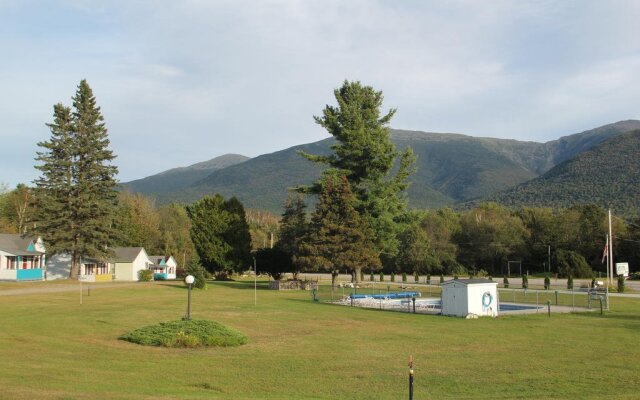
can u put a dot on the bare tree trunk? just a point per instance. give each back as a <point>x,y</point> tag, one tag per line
<point>74,272</point>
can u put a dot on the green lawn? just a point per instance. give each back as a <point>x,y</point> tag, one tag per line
<point>51,347</point>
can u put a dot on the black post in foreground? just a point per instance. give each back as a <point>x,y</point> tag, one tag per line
<point>549,307</point>
<point>410,377</point>
<point>189,281</point>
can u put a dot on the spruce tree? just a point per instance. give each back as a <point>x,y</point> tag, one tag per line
<point>76,193</point>
<point>338,237</point>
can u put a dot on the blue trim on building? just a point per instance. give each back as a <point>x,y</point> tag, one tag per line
<point>30,274</point>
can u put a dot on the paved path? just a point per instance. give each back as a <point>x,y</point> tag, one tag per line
<point>67,287</point>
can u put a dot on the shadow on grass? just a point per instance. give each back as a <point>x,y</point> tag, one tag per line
<point>240,285</point>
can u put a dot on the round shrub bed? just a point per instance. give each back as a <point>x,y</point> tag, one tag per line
<point>183,333</point>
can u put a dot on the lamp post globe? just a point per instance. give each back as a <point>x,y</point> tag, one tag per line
<point>189,281</point>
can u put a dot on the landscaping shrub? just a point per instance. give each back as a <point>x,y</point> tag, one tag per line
<point>505,282</point>
<point>145,275</point>
<point>183,333</point>
<point>404,277</point>
<point>371,277</point>
<point>525,282</point>
<point>416,277</point>
<point>197,270</point>
<point>547,282</point>
<point>393,277</point>
<point>428,279</point>
<point>441,278</point>
<point>620,283</point>
<point>381,276</point>
<point>572,263</point>
<point>570,282</point>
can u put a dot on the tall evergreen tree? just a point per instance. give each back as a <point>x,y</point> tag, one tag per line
<point>365,154</point>
<point>76,193</point>
<point>338,237</point>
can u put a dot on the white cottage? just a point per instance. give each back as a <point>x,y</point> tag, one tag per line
<point>128,262</point>
<point>59,267</point>
<point>465,297</point>
<point>164,267</point>
<point>22,258</point>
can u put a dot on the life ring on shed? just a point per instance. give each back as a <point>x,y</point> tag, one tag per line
<point>487,299</point>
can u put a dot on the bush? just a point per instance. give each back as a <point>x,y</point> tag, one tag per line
<point>197,270</point>
<point>371,277</point>
<point>393,277</point>
<point>570,282</point>
<point>428,279</point>
<point>416,277</point>
<point>441,278</point>
<point>620,283</point>
<point>525,282</point>
<point>381,276</point>
<point>505,282</point>
<point>183,333</point>
<point>547,282</point>
<point>145,275</point>
<point>404,277</point>
<point>572,263</point>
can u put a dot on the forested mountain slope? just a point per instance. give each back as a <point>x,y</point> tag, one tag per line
<point>607,175</point>
<point>451,168</point>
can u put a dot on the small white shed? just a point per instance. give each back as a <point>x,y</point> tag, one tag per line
<point>465,297</point>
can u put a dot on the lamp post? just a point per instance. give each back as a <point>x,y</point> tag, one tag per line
<point>189,281</point>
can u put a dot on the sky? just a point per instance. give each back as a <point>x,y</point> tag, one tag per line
<point>180,82</point>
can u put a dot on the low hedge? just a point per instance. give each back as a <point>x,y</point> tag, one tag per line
<point>183,333</point>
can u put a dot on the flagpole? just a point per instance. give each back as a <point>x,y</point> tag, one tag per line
<point>610,255</point>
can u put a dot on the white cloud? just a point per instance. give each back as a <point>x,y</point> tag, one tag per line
<point>198,79</point>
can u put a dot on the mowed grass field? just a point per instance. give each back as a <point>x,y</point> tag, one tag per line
<point>51,347</point>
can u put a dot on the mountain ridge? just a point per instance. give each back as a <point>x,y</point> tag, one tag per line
<point>451,168</point>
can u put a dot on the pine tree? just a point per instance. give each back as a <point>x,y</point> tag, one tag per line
<point>338,238</point>
<point>364,153</point>
<point>76,194</point>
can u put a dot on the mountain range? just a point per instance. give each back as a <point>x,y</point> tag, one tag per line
<point>451,169</point>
